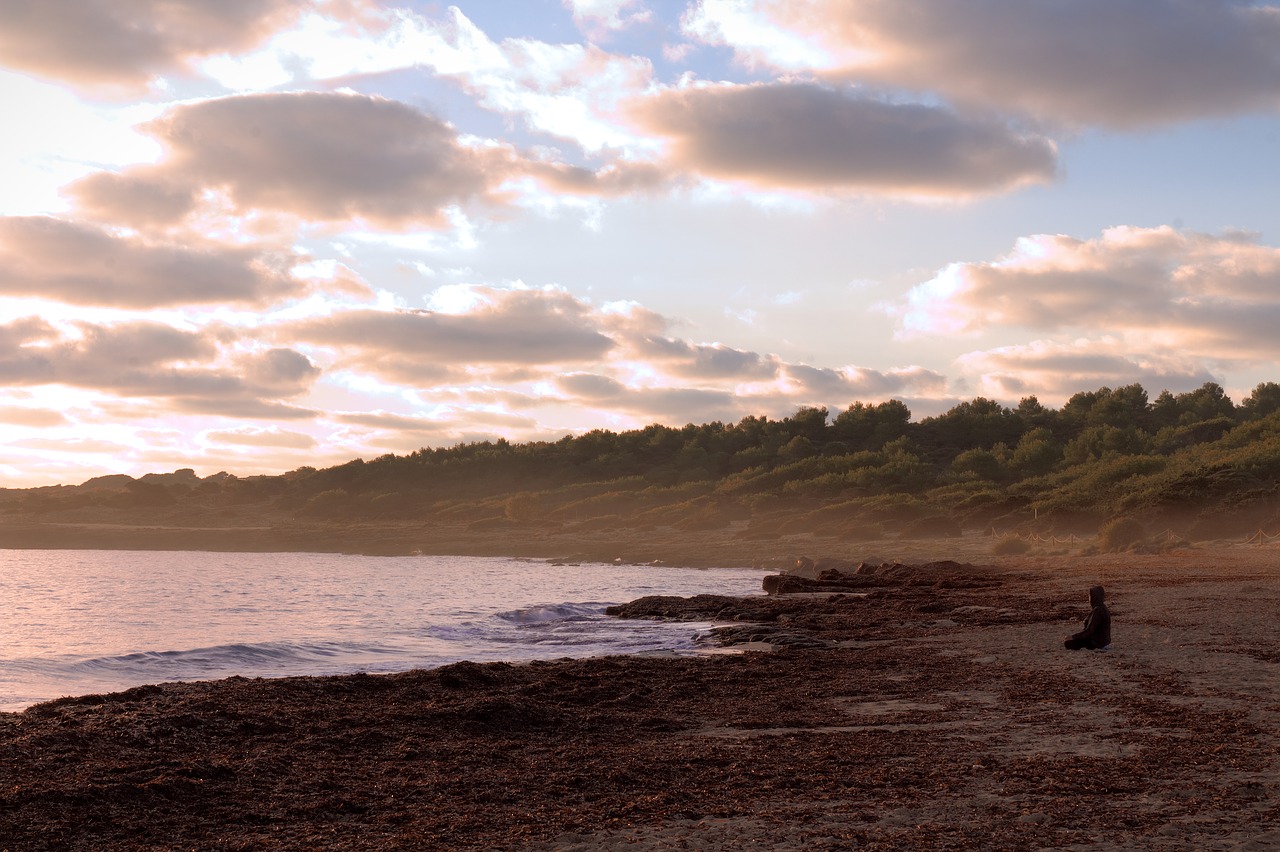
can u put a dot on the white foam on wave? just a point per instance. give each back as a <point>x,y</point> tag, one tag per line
<point>542,613</point>
<point>267,656</point>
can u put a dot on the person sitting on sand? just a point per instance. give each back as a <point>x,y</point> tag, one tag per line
<point>1096,635</point>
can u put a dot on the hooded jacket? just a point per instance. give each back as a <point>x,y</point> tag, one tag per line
<point>1097,627</point>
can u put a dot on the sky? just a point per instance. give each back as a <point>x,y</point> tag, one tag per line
<point>254,235</point>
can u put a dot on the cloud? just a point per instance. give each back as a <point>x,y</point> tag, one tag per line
<point>136,200</point>
<point>1054,371</point>
<point>378,432</point>
<point>101,45</point>
<point>615,179</point>
<point>689,360</point>
<point>570,91</point>
<point>1084,62</point>
<point>256,436</point>
<point>279,368</point>
<point>501,327</point>
<point>596,16</point>
<point>826,386</point>
<point>671,405</point>
<point>77,446</point>
<point>325,157</point>
<point>1218,296</point>
<point>40,418</point>
<point>321,156</point>
<point>815,139</point>
<point>383,420</point>
<point>85,265</point>
<point>793,386</point>
<point>182,370</point>
<point>514,353</point>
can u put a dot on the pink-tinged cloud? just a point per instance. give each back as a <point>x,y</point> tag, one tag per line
<point>570,91</point>
<point>176,370</point>
<point>807,137</point>
<point>1121,64</point>
<point>615,179</point>
<point>40,418</point>
<point>669,405</point>
<point>76,446</point>
<point>257,436</point>
<point>85,265</point>
<point>447,425</point>
<point>513,328</point>
<point>516,353</point>
<point>1053,372</point>
<point>142,199</point>
<point>709,361</point>
<point>826,386</point>
<point>325,157</point>
<point>321,156</point>
<point>1218,296</point>
<point>116,46</point>
<point>789,387</point>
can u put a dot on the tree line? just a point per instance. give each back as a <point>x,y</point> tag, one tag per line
<point>1190,458</point>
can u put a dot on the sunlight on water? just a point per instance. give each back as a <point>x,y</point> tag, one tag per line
<point>80,622</point>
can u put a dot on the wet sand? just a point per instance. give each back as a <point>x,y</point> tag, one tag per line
<point>940,713</point>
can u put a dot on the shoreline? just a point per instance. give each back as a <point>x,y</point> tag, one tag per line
<point>944,715</point>
<point>104,621</point>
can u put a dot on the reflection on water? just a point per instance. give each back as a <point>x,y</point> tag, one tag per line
<point>78,622</point>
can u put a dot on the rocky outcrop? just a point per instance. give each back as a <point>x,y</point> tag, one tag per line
<point>867,575</point>
<point>827,581</point>
<point>868,603</point>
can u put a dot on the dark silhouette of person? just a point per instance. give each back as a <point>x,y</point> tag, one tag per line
<point>1096,635</point>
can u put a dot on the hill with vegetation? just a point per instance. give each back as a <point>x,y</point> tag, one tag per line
<point>1192,465</point>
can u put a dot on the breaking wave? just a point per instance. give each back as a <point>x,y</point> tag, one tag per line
<point>543,613</point>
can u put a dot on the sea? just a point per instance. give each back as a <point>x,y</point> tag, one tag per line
<point>80,622</point>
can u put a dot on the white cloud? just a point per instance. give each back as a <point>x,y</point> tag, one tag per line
<point>757,35</point>
<point>596,16</point>
<point>569,91</point>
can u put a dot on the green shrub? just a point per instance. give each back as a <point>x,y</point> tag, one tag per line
<point>521,507</point>
<point>1010,545</point>
<point>333,503</point>
<point>1121,533</point>
<point>893,507</point>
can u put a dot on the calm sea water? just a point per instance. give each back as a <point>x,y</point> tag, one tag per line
<point>80,622</point>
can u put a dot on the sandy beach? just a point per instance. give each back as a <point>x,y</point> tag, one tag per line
<point>935,709</point>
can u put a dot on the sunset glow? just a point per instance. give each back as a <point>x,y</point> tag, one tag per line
<point>297,232</point>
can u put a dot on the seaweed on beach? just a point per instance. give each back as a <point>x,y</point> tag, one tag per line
<point>953,728</point>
